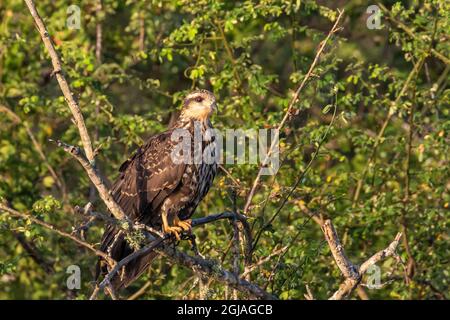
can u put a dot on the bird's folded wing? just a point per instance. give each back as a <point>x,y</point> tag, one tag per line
<point>148,177</point>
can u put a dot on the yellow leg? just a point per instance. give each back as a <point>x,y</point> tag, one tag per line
<point>175,230</point>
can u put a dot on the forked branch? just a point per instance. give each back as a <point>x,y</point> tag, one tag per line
<point>352,273</point>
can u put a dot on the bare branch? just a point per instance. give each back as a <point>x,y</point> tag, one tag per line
<point>352,273</point>
<point>381,255</point>
<point>57,71</point>
<point>213,270</point>
<point>96,179</point>
<point>219,216</point>
<point>344,264</point>
<point>308,295</point>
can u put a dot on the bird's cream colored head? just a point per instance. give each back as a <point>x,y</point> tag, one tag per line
<point>199,105</point>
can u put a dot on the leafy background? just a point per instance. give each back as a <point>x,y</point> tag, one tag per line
<point>252,55</point>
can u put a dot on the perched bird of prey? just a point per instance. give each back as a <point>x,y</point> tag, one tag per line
<point>157,189</point>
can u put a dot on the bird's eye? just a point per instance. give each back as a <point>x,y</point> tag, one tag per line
<point>199,99</point>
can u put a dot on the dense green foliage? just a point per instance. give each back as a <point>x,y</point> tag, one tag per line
<point>252,55</point>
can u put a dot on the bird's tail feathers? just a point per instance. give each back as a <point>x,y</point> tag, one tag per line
<point>115,244</point>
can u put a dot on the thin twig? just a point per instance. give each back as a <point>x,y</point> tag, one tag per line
<point>378,139</point>
<point>57,71</point>
<point>54,229</point>
<point>299,178</point>
<point>96,179</point>
<point>140,292</point>
<point>122,263</point>
<point>37,146</point>
<point>98,33</point>
<point>34,253</point>
<point>264,260</point>
<point>404,213</point>
<point>410,33</point>
<point>292,104</point>
<point>141,32</point>
<point>236,245</point>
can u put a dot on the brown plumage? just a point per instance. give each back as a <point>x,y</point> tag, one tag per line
<point>162,187</point>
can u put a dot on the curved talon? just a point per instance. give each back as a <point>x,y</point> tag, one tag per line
<point>186,225</point>
<point>178,227</point>
<point>173,230</point>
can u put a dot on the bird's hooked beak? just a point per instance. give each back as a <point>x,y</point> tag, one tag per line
<point>214,107</point>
